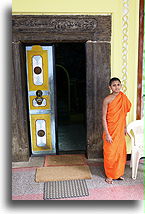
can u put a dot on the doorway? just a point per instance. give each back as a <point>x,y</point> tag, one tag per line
<point>95,32</point>
<point>70,68</point>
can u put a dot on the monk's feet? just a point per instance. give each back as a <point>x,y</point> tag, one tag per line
<point>109,180</point>
<point>120,178</point>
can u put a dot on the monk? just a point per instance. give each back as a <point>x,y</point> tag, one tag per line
<point>115,108</point>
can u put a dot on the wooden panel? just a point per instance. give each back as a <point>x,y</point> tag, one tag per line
<point>30,28</point>
<point>98,76</point>
<point>99,26</point>
<point>90,95</point>
<point>20,136</point>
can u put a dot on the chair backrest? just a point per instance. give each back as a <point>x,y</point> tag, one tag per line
<point>136,130</point>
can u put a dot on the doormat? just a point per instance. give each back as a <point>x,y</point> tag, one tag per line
<point>64,160</point>
<point>61,173</point>
<point>65,189</point>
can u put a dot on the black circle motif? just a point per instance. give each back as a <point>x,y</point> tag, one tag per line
<point>37,70</point>
<point>41,133</point>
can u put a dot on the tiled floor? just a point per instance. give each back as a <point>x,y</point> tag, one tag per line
<point>24,186</point>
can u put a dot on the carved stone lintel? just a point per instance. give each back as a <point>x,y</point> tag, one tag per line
<point>53,24</point>
<point>64,24</point>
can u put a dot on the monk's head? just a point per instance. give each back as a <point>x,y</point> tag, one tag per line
<point>115,85</point>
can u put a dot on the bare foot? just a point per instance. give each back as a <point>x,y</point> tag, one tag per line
<point>120,178</point>
<point>109,180</point>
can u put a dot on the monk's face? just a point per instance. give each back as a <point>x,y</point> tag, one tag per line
<point>115,86</point>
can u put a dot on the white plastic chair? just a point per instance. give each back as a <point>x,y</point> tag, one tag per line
<point>135,132</point>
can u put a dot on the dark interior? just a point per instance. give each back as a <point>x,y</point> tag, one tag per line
<point>71,97</point>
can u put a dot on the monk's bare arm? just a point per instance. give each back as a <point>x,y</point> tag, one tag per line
<point>104,110</point>
<point>105,106</point>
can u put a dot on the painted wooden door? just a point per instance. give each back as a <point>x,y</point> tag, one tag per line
<point>40,81</point>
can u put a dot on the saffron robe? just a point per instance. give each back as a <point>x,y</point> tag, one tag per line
<point>115,152</point>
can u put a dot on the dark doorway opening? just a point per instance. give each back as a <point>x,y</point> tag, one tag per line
<point>71,97</point>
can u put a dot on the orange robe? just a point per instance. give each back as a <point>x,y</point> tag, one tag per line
<point>115,152</point>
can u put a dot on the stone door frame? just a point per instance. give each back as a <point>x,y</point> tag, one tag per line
<point>95,31</point>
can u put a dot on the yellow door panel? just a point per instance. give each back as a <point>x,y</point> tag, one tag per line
<point>37,69</point>
<point>45,142</point>
<point>39,61</point>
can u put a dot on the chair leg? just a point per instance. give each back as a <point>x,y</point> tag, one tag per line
<point>131,161</point>
<point>135,161</point>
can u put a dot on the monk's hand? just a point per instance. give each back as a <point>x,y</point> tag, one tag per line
<point>109,138</point>
<point>125,131</point>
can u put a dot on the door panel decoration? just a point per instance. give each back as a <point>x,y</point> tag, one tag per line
<point>38,104</point>
<point>41,133</point>
<point>40,82</point>
<point>37,70</point>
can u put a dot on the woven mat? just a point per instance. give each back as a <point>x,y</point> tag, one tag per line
<point>64,160</point>
<point>65,189</point>
<point>61,173</point>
